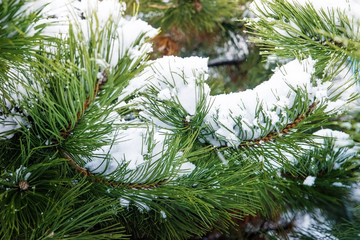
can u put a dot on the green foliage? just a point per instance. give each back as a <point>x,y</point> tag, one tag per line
<point>293,26</point>
<point>15,44</point>
<point>70,104</point>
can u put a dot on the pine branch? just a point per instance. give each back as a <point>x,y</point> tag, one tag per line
<point>86,173</point>
<point>88,101</point>
<point>273,135</point>
<point>285,27</point>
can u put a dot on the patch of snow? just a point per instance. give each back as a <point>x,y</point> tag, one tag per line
<point>163,214</point>
<point>106,14</point>
<point>135,147</point>
<point>234,117</point>
<point>315,223</point>
<point>309,181</point>
<point>338,184</point>
<point>173,78</point>
<point>186,168</point>
<point>124,202</point>
<point>10,123</point>
<point>340,140</point>
<point>222,158</point>
<point>130,148</point>
<point>355,193</point>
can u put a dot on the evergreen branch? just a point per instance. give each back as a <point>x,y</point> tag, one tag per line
<point>86,173</point>
<point>87,103</point>
<point>303,30</point>
<point>64,134</point>
<point>273,135</point>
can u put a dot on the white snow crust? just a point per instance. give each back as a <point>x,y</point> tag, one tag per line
<point>60,14</point>
<point>135,147</point>
<point>314,224</point>
<point>235,117</point>
<point>309,181</point>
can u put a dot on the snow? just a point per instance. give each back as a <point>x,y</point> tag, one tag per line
<point>175,79</point>
<point>106,14</point>
<point>134,147</point>
<point>355,193</point>
<point>124,202</point>
<point>234,117</point>
<point>230,119</point>
<point>222,158</point>
<point>20,173</point>
<point>170,71</point>
<point>186,168</point>
<point>163,214</point>
<point>128,32</point>
<point>8,124</point>
<point>315,223</point>
<point>309,181</point>
<point>338,184</point>
<point>341,139</point>
<point>130,147</point>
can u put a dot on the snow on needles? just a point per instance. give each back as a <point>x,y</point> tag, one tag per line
<point>229,119</point>
<point>128,35</point>
<point>136,148</point>
<point>235,117</point>
<point>180,80</point>
<point>309,181</point>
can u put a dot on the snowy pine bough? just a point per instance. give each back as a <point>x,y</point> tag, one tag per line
<point>99,141</point>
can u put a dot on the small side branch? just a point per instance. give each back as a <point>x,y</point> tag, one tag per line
<point>273,135</point>
<point>84,172</point>
<point>288,127</point>
<point>88,101</point>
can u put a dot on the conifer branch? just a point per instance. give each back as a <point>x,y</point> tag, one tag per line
<point>88,102</point>
<point>273,135</point>
<point>88,174</point>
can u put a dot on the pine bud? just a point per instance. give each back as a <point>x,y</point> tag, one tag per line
<point>23,185</point>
